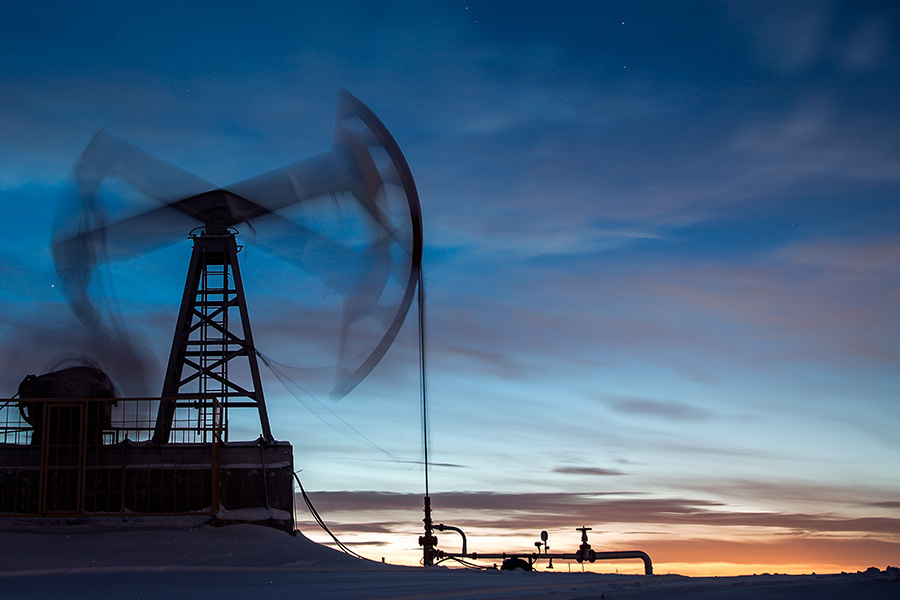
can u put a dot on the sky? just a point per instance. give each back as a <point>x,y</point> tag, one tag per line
<point>662,257</point>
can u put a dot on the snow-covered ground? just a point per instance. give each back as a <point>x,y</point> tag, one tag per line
<point>189,560</point>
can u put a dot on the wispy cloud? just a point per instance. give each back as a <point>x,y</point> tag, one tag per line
<point>592,471</point>
<point>665,409</point>
<point>532,511</point>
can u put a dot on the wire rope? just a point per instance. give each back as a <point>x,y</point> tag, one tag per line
<point>321,522</point>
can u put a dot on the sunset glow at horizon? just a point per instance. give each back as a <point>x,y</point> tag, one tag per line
<point>661,259</point>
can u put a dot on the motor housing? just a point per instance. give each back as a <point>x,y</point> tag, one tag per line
<point>62,406</point>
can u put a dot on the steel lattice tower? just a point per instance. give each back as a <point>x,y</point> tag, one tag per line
<point>212,342</point>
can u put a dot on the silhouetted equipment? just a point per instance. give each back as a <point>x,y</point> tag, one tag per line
<point>527,561</point>
<point>442,527</point>
<point>70,419</point>
<point>206,343</point>
<point>429,540</point>
<point>121,460</point>
<point>585,553</point>
<point>512,563</point>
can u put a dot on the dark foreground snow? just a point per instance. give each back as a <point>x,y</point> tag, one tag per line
<point>246,561</point>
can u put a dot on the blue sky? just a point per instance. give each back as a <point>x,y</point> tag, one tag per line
<point>662,253</point>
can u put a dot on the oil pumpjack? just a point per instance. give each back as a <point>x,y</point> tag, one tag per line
<point>69,447</point>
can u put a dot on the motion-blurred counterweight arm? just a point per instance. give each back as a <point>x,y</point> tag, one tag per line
<point>109,156</point>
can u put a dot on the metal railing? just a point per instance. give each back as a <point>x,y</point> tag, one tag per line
<point>93,457</point>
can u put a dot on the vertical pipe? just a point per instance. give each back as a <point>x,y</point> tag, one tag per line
<point>428,540</point>
<point>421,299</point>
